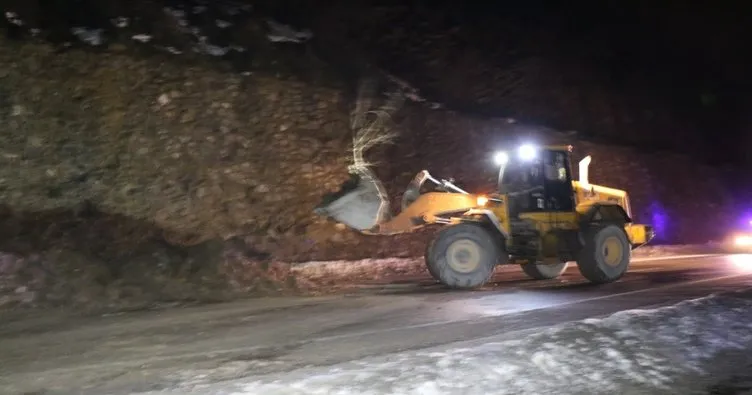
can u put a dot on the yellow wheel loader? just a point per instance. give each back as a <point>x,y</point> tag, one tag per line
<point>539,218</point>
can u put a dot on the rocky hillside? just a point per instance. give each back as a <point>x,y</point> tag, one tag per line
<point>614,73</point>
<point>146,156</point>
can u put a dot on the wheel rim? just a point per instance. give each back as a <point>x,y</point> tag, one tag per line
<point>612,251</point>
<point>463,256</point>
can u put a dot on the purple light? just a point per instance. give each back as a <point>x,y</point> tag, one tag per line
<point>659,220</point>
<point>745,219</point>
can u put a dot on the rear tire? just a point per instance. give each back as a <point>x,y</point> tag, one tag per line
<point>606,254</point>
<point>539,271</point>
<point>463,256</point>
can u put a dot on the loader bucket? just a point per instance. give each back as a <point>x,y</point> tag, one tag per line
<point>360,203</point>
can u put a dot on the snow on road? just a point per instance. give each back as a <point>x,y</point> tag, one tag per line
<point>664,350</point>
<point>371,269</point>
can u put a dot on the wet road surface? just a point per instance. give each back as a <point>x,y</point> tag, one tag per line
<point>153,350</point>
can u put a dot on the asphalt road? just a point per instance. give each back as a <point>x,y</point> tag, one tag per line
<point>48,354</point>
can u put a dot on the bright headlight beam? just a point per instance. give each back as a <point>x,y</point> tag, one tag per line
<point>501,158</point>
<point>743,241</point>
<point>527,152</point>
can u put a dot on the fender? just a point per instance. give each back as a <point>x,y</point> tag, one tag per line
<point>603,212</point>
<point>491,217</point>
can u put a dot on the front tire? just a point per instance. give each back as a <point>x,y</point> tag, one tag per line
<point>539,271</point>
<point>606,254</point>
<point>463,256</point>
<point>426,258</point>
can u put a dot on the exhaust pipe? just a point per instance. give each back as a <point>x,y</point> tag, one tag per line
<point>584,165</point>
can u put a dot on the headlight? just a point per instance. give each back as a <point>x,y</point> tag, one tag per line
<point>481,201</point>
<point>501,158</point>
<point>743,241</point>
<point>527,152</point>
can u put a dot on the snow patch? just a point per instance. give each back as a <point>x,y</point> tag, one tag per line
<point>368,268</point>
<point>144,38</point>
<point>163,99</point>
<point>173,50</point>
<point>207,48</point>
<point>413,93</point>
<point>179,16</point>
<point>222,24</point>
<point>121,22</point>
<point>335,269</point>
<point>285,33</point>
<point>635,351</point>
<point>13,18</point>
<point>90,36</point>
<point>374,269</point>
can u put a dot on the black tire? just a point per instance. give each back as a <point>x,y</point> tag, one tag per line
<point>595,261</point>
<point>539,271</point>
<point>431,269</point>
<point>467,239</point>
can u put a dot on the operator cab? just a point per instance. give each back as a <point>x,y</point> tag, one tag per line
<point>537,179</point>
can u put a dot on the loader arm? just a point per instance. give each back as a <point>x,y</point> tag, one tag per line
<point>428,208</point>
<point>361,205</point>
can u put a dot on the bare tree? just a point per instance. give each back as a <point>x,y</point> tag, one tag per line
<point>372,126</point>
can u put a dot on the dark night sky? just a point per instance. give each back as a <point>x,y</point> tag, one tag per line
<point>691,56</point>
<point>689,59</point>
